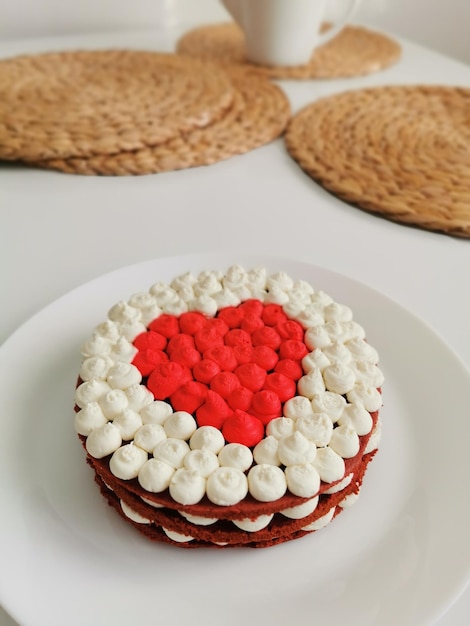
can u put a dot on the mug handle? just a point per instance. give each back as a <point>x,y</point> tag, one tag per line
<point>334,30</point>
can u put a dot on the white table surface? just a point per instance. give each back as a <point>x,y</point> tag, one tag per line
<point>59,231</point>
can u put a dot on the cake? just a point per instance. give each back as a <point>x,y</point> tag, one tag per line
<point>229,408</point>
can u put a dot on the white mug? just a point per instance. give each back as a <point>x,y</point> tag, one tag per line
<point>284,32</point>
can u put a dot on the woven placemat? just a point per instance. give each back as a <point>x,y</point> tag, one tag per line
<point>353,52</point>
<point>259,113</point>
<point>81,103</point>
<point>400,151</point>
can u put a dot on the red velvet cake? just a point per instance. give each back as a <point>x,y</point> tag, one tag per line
<point>235,408</point>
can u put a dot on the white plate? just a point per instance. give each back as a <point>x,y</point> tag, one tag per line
<point>399,556</point>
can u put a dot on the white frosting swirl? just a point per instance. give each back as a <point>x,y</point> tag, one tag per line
<point>147,305</point>
<point>358,418</point>
<point>267,483</point>
<point>226,486</point>
<point>183,281</point>
<point>317,427</point>
<point>329,402</point>
<point>303,480</point>
<point>337,352</point>
<point>366,395</point>
<point>204,304</point>
<point>175,307</point>
<point>203,461</point>
<point>130,329</point>
<point>156,412</point>
<point>235,278</point>
<point>123,375</point>
<point>257,278</point>
<point>171,451</point>
<point>339,378</point>
<point>207,284</point>
<point>109,330</point>
<point>163,293</point>
<point>155,475</point>
<point>296,449</point>
<point>236,455</point>
<point>329,465</point>
<point>123,350</point>
<point>113,402</point>
<point>338,332</point>
<point>297,407</point>
<point>149,435</point>
<point>225,298</point>
<point>315,360</point>
<point>345,441</point>
<point>96,345</point>
<point>128,422</point>
<point>281,280</point>
<point>339,312</point>
<point>123,312</point>
<point>266,451</point>
<point>317,337</point>
<point>368,373</point>
<point>207,437</point>
<point>89,418</point>
<point>180,425</point>
<point>321,298</point>
<point>103,440</point>
<point>127,461</point>
<point>187,486</point>
<point>309,317</point>
<point>138,396</point>
<point>90,391</point>
<point>361,350</point>
<point>311,384</point>
<point>280,427</point>
<point>276,295</point>
<point>96,367</point>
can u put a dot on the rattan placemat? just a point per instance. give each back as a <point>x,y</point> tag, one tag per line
<point>399,151</point>
<point>259,113</point>
<point>353,52</point>
<point>81,103</point>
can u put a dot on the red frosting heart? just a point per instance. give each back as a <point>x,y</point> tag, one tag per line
<point>233,371</point>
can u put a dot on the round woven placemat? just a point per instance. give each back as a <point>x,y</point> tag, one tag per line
<point>82,103</point>
<point>259,113</point>
<point>402,152</point>
<point>353,52</point>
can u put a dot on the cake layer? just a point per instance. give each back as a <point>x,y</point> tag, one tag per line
<point>171,527</point>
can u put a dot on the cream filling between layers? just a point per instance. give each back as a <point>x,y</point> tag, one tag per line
<point>249,525</point>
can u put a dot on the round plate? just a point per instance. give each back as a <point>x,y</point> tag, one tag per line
<point>400,555</point>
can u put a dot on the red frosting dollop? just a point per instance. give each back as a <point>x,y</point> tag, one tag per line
<point>241,427</point>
